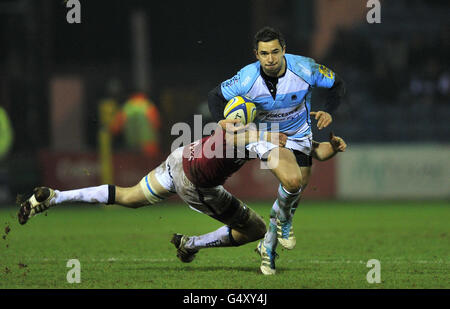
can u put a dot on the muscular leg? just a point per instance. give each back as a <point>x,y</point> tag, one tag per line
<point>132,197</point>
<point>293,179</point>
<point>253,230</point>
<point>146,192</point>
<point>244,227</point>
<point>284,166</point>
<point>306,174</point>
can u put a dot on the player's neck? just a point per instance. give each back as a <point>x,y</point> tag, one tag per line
<point>283,68</point>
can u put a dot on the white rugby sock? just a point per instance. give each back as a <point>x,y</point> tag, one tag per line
<point>285,201</point>
<point>270,239</point>
<point>98,194</point>
<point>218,238</point>
<point>295,206</point>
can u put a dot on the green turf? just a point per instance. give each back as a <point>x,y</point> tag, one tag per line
<point>126,248</point>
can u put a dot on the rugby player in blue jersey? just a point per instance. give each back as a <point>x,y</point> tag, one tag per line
<point>280,85</point>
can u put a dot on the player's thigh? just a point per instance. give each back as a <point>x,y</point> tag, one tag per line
<point>284,166</point>
<point>306,175</point>
<point>157,185</point>
<point>148,191</point>
<point>215,202</point>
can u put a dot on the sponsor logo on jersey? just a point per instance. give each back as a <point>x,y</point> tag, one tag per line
<point>230,82</point>
<point>192,150</point>
<point>281,115</point>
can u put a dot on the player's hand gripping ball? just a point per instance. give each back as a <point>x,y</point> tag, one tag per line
<point>240,108</point>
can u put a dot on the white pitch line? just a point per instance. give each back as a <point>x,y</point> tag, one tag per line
<point>162,260</point>
<point>364,262</point>
<point>113,259</point>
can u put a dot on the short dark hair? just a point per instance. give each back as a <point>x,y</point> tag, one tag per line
<point>267,34</point>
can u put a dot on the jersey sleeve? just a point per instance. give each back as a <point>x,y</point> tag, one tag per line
<point>322,76</point>
<point>232,87</point>
<point>335,94</point>
<point>216,104</point>
<point>241,83</point>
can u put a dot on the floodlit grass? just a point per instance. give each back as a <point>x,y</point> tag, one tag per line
<point>126,248</point>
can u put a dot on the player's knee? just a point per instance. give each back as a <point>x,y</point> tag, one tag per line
<point>292,183</point>
<point>257,228</point>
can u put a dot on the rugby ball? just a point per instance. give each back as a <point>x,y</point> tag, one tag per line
<point>240,108</point>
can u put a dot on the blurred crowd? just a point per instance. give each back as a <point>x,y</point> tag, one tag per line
<point>398,85</point>
<point>395,69</point>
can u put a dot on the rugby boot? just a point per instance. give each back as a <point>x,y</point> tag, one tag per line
<point>285,234</point>
<point>37,203</point>
<point>184,254</point>
<point>267,259</point>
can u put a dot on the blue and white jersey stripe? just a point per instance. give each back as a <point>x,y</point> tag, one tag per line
<point>292,104</point>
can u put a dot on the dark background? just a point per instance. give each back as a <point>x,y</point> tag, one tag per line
<point>397,72</point>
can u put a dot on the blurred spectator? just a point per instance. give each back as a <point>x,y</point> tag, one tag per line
<point>444,84</point>
<point>6,134</point>
<point>6,141</point>
<point>139,120</point>
<point>429,82</point>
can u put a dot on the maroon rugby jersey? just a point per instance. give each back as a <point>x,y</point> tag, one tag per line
<point>205,170</point>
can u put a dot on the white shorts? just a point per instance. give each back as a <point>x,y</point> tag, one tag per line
<point>215,201</point>
<point>262,148</point>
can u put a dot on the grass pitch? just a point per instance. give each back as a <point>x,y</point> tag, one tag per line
<point>126,248</point>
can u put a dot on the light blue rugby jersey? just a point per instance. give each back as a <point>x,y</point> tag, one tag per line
<point>292,104</point>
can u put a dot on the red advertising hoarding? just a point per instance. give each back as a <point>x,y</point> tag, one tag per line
<point>69,170</point>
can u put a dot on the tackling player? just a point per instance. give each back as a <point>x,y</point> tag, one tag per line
<point>280,85</point>
<point>197,178</point>
<point>196,173</point>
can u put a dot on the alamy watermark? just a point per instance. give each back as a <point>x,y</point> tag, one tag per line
<point>374,14</point>
<point>73,16</point>
<point>244,143</point>
<point>374,275</point>
<point>74,274</point>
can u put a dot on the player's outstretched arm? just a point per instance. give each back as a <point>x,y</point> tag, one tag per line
<point>216,103</point>
<point>326,150</point>
<point>335,94</point>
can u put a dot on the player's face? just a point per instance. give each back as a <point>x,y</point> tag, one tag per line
<point>271,56</point>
